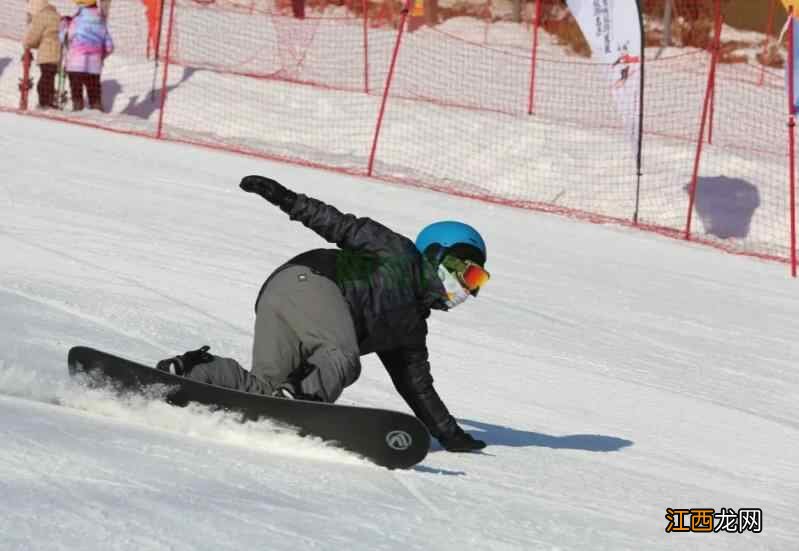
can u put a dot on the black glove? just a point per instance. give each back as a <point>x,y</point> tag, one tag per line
<point>183,364</point>
<point>270,190</point>
<point>461,442</point>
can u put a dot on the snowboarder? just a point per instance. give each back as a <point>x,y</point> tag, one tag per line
<point>322,310</point>
<point>43,35</point>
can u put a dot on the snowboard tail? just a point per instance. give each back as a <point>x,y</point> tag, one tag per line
<point>388,438</point>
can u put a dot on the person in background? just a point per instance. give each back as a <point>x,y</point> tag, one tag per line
<point>42,35</point>
<point>87,43</point>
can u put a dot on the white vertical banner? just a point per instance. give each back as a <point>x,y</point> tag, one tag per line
<point>612,29</point>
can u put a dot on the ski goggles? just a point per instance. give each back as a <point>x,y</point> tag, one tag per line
<point>472,276</point>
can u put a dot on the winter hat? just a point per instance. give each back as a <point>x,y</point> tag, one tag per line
<point>35,6</point>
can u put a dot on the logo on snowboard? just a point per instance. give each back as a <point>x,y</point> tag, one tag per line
<point>399,440</point>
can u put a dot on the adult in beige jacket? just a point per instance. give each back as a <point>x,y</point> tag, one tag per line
<point>42,35</point>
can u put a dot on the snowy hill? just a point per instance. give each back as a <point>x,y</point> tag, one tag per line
<point>613,373</point>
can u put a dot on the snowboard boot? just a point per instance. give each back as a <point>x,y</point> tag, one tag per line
<point>291,391</point>
<point>285,390</point>
<point>183,364</point>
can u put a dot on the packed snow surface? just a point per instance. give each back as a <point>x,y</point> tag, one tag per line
<point>613,373</point>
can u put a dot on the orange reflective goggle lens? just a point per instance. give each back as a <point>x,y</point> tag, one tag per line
<point>471,275</point>
<point>474,276</point>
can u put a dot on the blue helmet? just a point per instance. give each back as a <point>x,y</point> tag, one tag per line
<point>458,238</point>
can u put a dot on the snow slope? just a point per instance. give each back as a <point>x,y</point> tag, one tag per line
<point>613,373</point>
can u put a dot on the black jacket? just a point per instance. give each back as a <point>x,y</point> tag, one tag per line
<point>390,288</point>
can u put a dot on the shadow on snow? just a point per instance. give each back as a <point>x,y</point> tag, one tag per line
<point>4,63</point>
<point>725,205</point>
<point>141,107</point>
<point>495,435</point>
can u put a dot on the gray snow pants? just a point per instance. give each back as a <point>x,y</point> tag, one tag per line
<point>304,333</point>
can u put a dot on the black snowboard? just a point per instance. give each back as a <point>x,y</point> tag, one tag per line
<point>389,438</point>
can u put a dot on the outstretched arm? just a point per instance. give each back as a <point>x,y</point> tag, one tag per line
<point>345,230</point>
<point>410,372</point>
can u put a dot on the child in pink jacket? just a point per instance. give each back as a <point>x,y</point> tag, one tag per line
<point>87,43</point>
